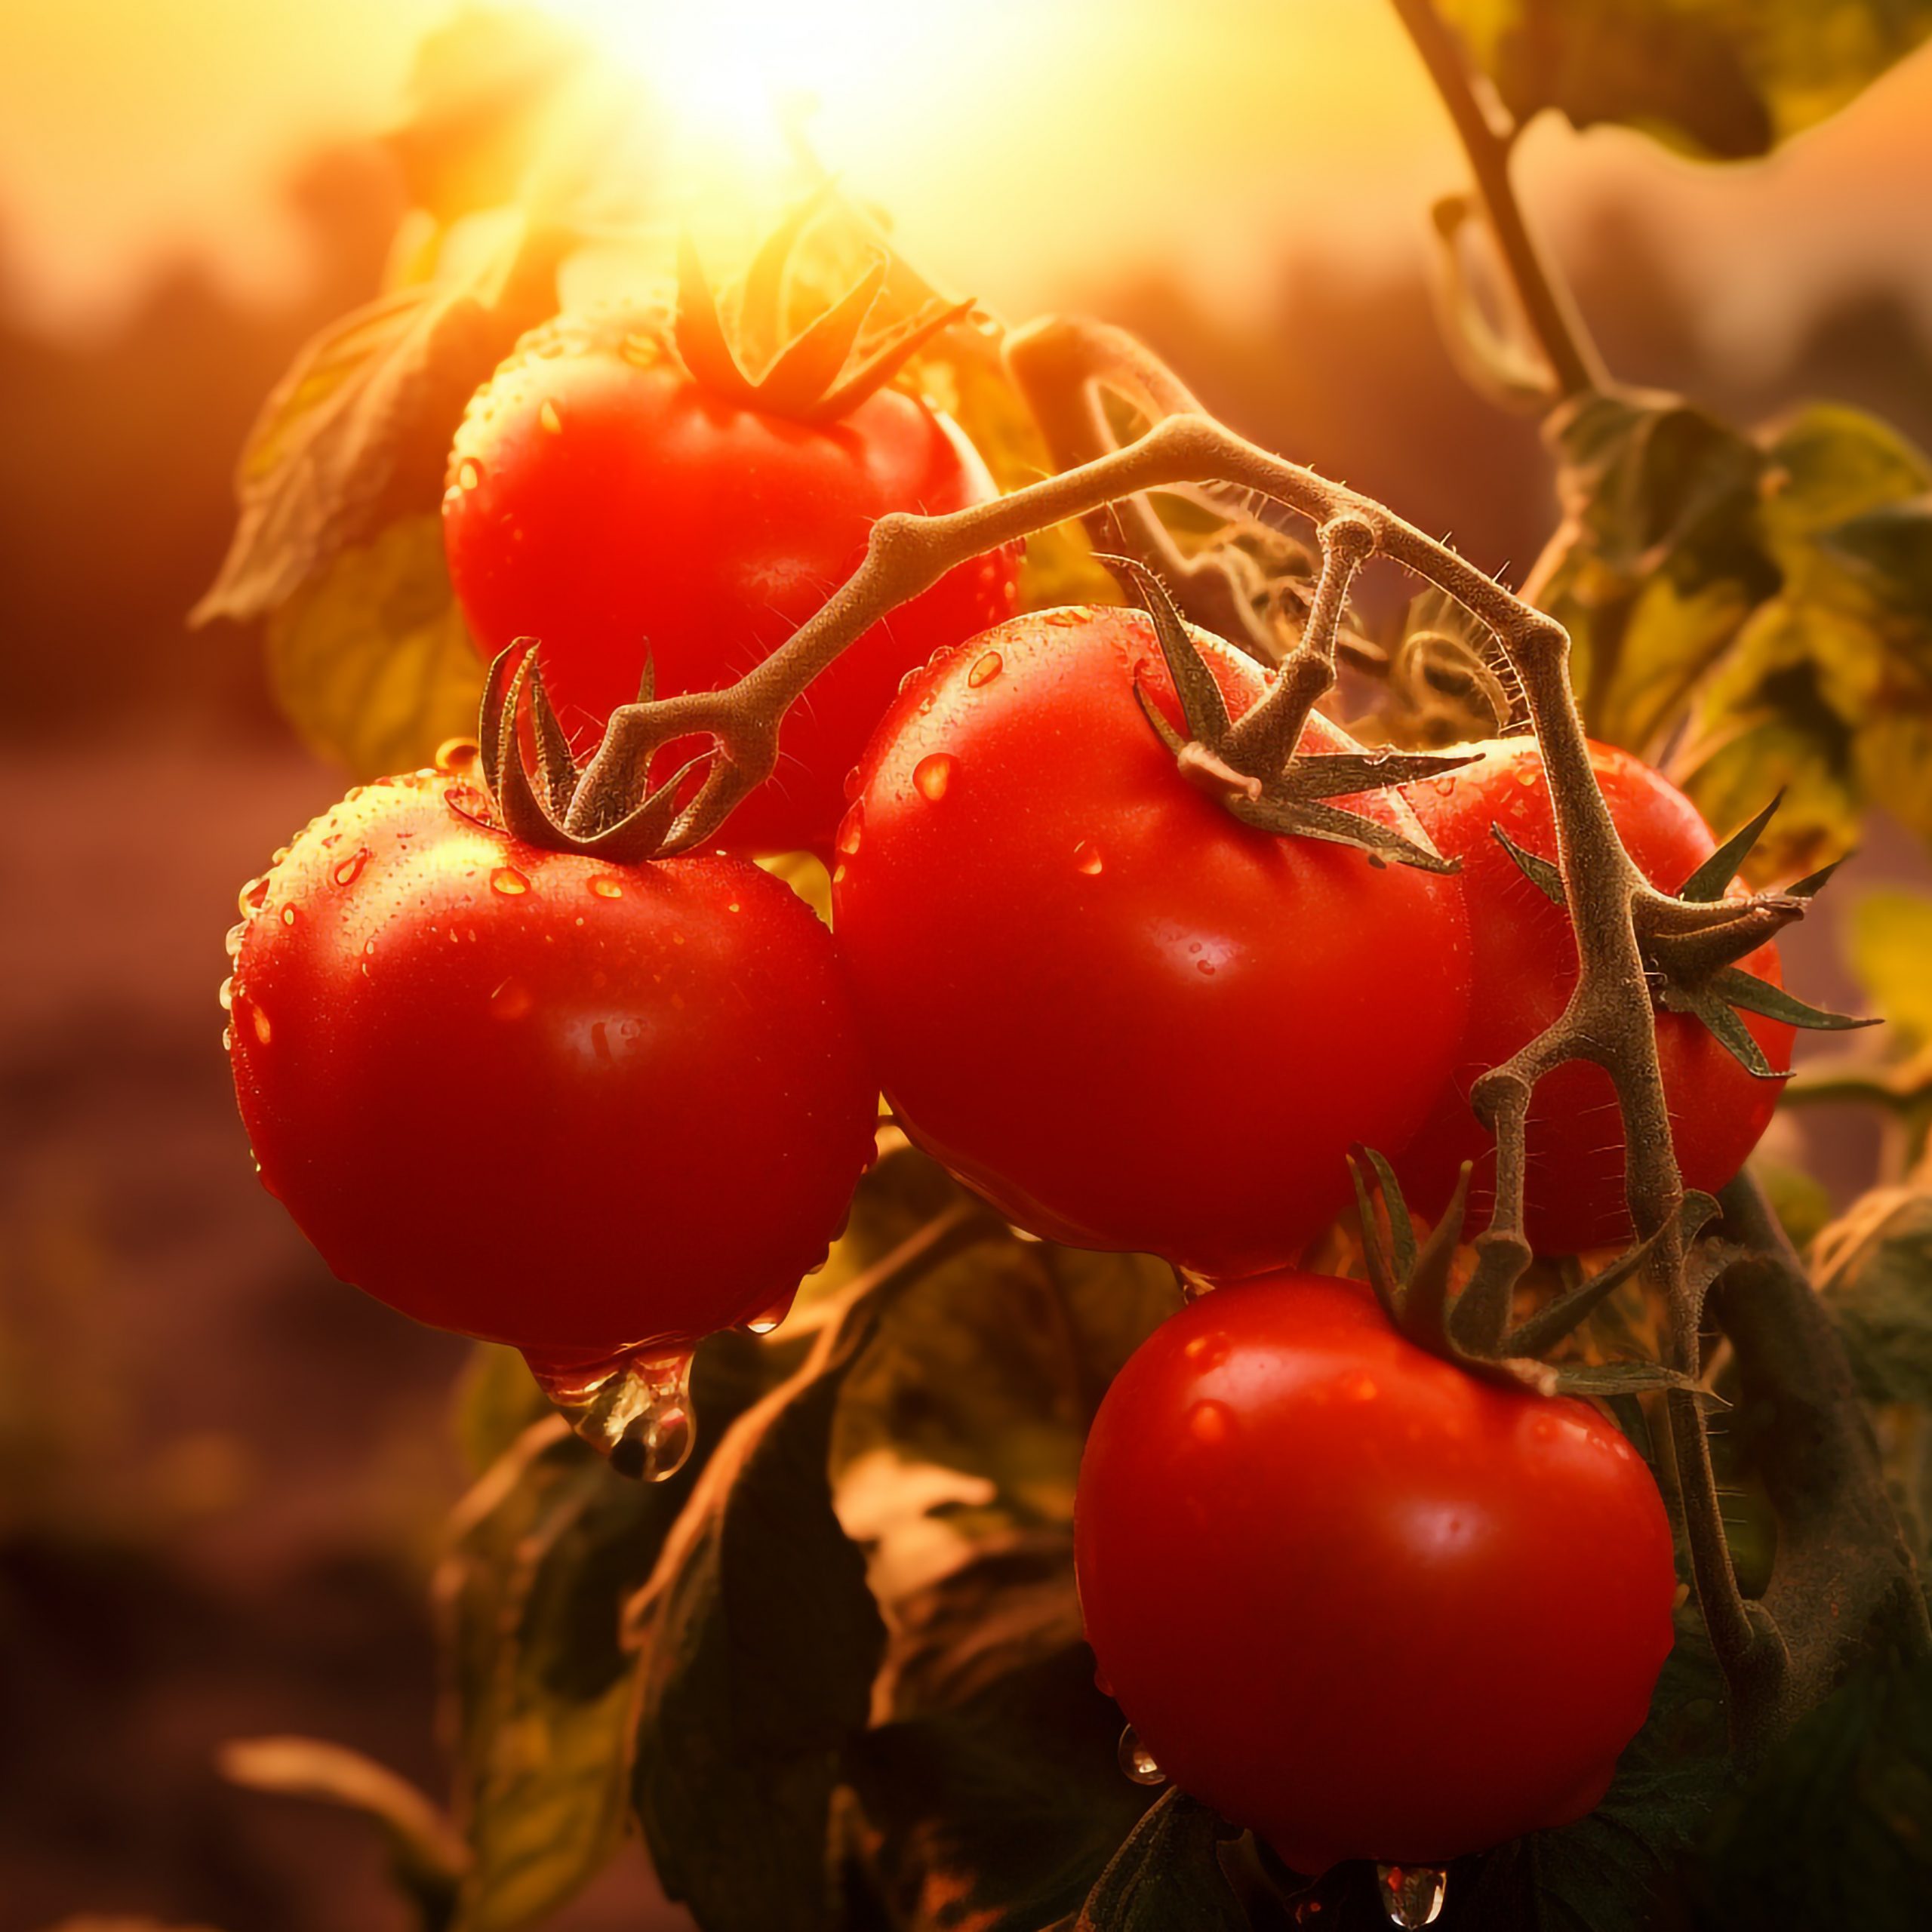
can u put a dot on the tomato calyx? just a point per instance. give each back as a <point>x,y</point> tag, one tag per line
<point>1250,764</point>
<point>1414,1281</point>
<point>1691,941</point>
<point>821,373</point>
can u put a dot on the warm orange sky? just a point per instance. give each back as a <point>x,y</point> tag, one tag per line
<point>1023,144</point>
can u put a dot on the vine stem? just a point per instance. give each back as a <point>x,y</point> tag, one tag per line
<point>1488,133</point>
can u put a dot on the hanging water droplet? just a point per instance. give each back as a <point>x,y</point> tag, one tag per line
<point>350,869</point>
<point>550,419</point>
<point>932,775</point>
<point>633,1409</point>
<point>770,1316</point>
<point>1412,1894</point>
<point>227,995</point>
<point>1087,857</point>
<point>252,895</point>
<point>851,829</point>
<point>985,669</point>
<point>510,882</point>
<point>1137,1761</point>
<point>236,933</point>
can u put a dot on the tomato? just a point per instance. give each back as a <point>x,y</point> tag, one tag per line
<point>1525,965</point>
<point>531,1097</point>
<point>601,500</point>
<point>1128,1020</point>
<point>1352,1597</point>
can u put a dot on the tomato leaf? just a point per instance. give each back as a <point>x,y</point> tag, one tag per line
<point>1725,78</point>
<point>997,1814</point>
<point>1167,1875</point>
<point>1875,1274</point>
<point>545,1548</point>
<point>370,661</point>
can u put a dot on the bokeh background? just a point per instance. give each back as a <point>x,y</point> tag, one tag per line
<point>222,1476</point>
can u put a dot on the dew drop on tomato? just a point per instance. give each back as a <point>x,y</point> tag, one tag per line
<point>1087,857</point>
<point>606,889</point>
<point>851,829</point>
<point>932,775</point>
<point>510,882</point>
<point>1137,1761</point>
<point>985,669</point>
<point>350,869</point>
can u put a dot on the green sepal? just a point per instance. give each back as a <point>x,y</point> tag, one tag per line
<point>1547,878</point>
<point>1712,880</point>
<point>1738,988</point>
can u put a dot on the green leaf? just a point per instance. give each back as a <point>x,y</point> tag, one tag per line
<point>1889,936</point>
<point>1725,78</point>
<point>370,661</point>
<point>497,1399</point>
<point>357,434</point>
<point>1166,1878</point>
<point>1874,1272</point>
<point>1835,1828</point>
<point>428,1857</point>
<point>994,1815</point>
<point>759,1641</point>
<point>545,1550</point>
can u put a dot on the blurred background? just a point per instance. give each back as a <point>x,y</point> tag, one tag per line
<point>222,1477</point>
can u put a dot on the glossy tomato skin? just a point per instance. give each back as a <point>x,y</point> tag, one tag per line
<point>599,498</point>
<point>1128,1020</point>
<point>537,1098</point>
<point>1356,1599</point>
<point>1525,965</point>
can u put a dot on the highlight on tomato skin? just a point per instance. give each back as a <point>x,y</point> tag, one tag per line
<point>525,1094</point>
<point>603,502</point>
<point>1524,966</point>
<point>1356,1599</point>
<point>1128,1020</point>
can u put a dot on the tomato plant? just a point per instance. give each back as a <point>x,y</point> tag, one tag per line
<point>1097,997</point>
<point>517,1092</point>
<point>1353,1597</point>
<point>1524,964</point>
<point>603,500</point>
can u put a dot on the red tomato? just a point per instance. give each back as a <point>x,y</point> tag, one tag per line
<point>1355,1598</point>
<point>601,500</point>
<point>1525,965</point>
<point>1128,1020</point>
<point>540,1099</point>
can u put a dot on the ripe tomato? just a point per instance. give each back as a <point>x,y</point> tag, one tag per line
<point>1525,964</point>
<point>601,500</point>
<point>536,1098</point>
<point>1128,1020</point>
<point>1356,1599</point>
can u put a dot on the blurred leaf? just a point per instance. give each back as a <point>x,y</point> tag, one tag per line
<point>357,434</point>
<point>429,1855</point>
<point>1874,1271</point>
<point>1726,78</point>
<point>545,1549</point>
<point>1890,938</point>
<point>1801,1200</point>
<point>1835,1828</point>
<point>497,1399</point>
<point>1166,1878</point>
<point>370,661</point>
<point>997,1814</point>
<point>1664,562</point>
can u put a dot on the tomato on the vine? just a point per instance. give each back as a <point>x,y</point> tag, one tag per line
<point>1128,1020</point>
<point>605,503</point>
<point>1353,1597</point>
<point>1525,964</point>
<point>537,1098</point>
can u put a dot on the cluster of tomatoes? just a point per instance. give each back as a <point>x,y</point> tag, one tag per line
<point>1351,1596</point>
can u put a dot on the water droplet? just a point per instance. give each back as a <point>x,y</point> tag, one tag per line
<point>550,419</point>
<point>1205,967</point>
<point>641,350</point>
<point>1086,855</point>
<point>852,781</point>
<point>1209,1421</point>
<point>1137,1761</point>
<point>604,886</point>
<point>226,994</point>
<point>839,872</point>
<point>769,1317</point>
<point>510,882</point>
<point>235,934</point>
<point>634,1408</point>
<point>252,895</point>
<point>288,915</point>
<point>470,475</point>
<point>1412,1894</point>
<point>932,775</point>
<point>350,869</point>
<point>1527,774</point>
<point>851,830</point>
<point>985,669</point>
<point>261,1020</point>
<point>457,755</point>
<point>511,1001</point>
<point>1067,616</point>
